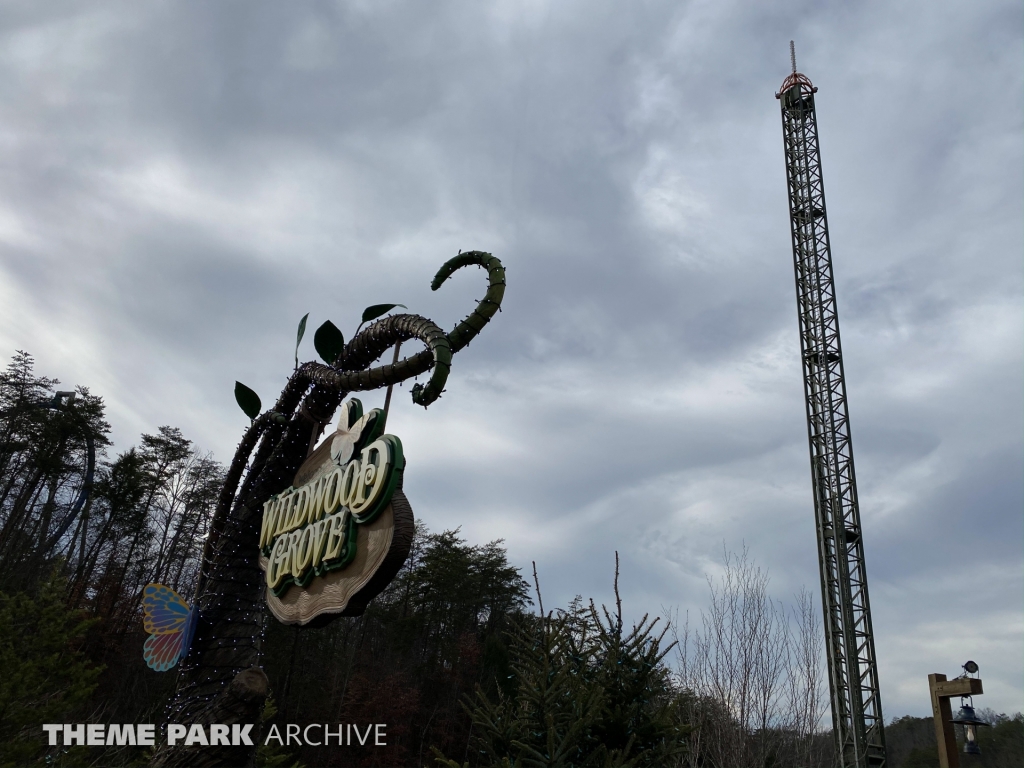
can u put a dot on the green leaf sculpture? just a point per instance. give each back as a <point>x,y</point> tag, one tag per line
<point>247,400</point>
<point>329,342</point>
<point>299,335</point>
<point>372,313</point>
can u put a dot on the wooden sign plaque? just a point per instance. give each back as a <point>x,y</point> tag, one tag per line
<point>330,543</point>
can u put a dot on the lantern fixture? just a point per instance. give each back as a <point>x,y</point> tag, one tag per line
<point>971,722</point>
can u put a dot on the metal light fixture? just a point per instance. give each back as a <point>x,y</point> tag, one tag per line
<point>942,690</point>
<point>971,722</point>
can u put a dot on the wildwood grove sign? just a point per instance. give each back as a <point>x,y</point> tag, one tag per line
<point>337,536</point>
<point>333,541</point>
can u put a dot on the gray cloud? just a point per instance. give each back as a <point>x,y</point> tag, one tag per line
<point>179,183</point>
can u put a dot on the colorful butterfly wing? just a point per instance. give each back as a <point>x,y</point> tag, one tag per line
<point>162,652</point>
<point>164,611</point>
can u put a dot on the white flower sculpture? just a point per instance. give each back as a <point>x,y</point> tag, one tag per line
<point>354,430</point>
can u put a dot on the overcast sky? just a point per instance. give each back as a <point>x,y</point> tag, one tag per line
<point>181,181</point>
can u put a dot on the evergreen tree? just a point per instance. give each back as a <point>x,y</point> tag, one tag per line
<point>45,677</point>
<point>586,694</point>
<point>46,446</point>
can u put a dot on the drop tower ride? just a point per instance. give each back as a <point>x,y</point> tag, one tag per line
<point>853,673</point>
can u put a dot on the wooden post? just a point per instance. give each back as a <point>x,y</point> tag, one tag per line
<point>941,691</point>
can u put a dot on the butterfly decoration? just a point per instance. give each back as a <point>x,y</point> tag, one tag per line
<point>171,624</point>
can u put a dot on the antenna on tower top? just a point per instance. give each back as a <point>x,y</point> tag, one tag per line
<point>792,55</point>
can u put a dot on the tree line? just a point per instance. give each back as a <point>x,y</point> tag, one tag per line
<point>457,656</point>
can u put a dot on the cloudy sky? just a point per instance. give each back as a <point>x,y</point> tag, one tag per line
<point>181,181</point>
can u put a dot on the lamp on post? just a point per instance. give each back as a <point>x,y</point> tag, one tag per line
<point>970,721</point>
<point>942,691</point>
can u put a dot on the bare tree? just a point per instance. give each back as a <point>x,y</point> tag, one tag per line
<point>807,694</point>
<point>754,674</point>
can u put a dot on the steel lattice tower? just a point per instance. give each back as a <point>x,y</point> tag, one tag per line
<point>853,673</point>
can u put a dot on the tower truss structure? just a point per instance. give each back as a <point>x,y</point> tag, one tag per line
<point>853,672</point>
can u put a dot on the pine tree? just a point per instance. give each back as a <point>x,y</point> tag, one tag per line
<point>45,677</point>
<point>586,695</point>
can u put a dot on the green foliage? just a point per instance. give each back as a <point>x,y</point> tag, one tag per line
<point>298,336</point>
<point>438,630</point>
<point>1002,745</point>
<point>247,400</point>
<point>45,677</point>
<point>922,757</point>
<point>910,742</point>
<point>586,693</point>
<point>145,520</point>
<point>461,584</point>
<point>329,342</point>
<point>375,311</point>
<point>273,755</point>
<point>43,458</point>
